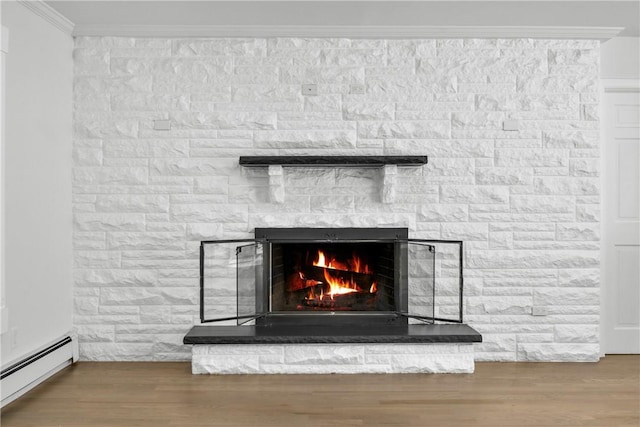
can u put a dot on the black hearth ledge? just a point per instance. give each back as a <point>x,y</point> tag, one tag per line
<point>354,161</point>
<point>294,334</point>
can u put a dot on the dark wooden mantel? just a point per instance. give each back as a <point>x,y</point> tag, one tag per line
<point>353,161</point>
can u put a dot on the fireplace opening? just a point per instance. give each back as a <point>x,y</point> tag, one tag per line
<point>334,276</point>
<point>321,277</point>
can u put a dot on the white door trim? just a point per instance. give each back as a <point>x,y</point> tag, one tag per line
<point>621,85</point>
<point>4,46</point>
<point>607,86</point>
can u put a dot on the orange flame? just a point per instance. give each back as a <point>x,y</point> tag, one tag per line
<point>340,284</point>
<point>355,264</point>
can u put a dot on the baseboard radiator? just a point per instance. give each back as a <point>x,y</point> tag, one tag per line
<point>25,374</point>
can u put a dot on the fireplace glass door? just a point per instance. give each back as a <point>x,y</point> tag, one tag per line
<point>245,280</point>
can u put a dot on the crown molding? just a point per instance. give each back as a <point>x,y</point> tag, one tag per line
<point>349,31</point>
<point>49,14</point>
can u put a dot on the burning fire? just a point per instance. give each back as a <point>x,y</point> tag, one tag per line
<point>354,264</point>
<point>340,284</point>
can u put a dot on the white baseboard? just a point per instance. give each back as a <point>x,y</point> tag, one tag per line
<point>25,374</point>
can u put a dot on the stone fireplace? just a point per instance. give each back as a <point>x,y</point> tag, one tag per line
<point>526,202</point>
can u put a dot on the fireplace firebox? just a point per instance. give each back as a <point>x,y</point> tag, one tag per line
<point>328,277</point>
<point>334,276</point>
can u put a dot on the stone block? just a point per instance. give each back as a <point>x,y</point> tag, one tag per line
<point>130,296</point>
<point>571,139</point>
<point>499,305</point>
<point>223,120</point>
<point>323,103</point>
<point>579,278</point>
<point>578,231</point>
<point>146,148</point>
<point>111,278</point>
<point>533,259</point>
<point>577,334</point>
<point>132,203</point>
<point>204,213</point>
<point>305,139</point>
<point>85,305</point>
<point>192,167</point>
<point>473,194</point>
<point>501,240</point>
<point>204,231</point>
<point>147,240</point>
<point>503,176</point>
<point>89,241</point>
<point>584,167</point>
<point>87,156</point>
<point>324,354</point>
<point>95,333</point>
<point>368,111</point>
<point>566,296</point>
<point>497,343</point>
<point>443,213</point>
<point>462,65</point>
<point>109,175</point>
<point>98,127</point>
<point>542,204</point>
<point>322,75</point>
<point>567,186</point>
<point>212,185</point>
<point>477,120</point>
<point>558,352</point>
<point>404,129</point>
<point>465,231</point>
<point>116,352</point>
<point>108,222</point>
<point>531,158</point>
<point>219,47</point>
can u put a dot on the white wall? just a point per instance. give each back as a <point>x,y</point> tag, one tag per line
<point>5,48</point>
<point>620,58</point>
<point>37,176</point>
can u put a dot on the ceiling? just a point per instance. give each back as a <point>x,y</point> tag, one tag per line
<point>111,17</point>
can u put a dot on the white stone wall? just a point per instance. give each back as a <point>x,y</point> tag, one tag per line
<point>333,359</point>
<point>525,202</point>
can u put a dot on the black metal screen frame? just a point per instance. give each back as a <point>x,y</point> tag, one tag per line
<point>330,238</point>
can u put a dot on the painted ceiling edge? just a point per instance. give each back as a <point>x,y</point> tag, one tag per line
<point>49,14</point>
<point>349,31</point>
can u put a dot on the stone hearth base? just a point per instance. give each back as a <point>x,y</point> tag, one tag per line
<point>332,358</point>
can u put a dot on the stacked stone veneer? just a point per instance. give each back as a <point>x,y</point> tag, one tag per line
<point>525,202</point>
<point>332,358</point>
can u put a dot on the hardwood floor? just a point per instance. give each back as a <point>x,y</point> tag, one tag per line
<point>498,394</point>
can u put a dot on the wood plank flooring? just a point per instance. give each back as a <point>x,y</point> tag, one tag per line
<point>498,394</point>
